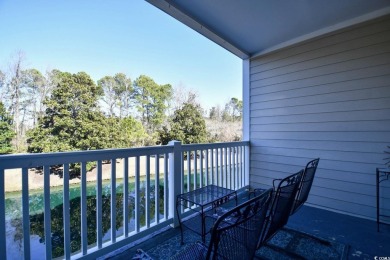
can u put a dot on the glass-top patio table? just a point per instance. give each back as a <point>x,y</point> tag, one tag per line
<point>203,201</point>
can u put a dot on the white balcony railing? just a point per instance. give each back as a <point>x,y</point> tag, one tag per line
<point>97,216</point>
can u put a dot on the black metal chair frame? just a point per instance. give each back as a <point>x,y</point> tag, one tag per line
<point>247,219</point>
<point>303,191</point>
<point>305,185</point>
<point>282,203</point>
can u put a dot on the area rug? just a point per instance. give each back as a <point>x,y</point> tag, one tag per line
<point>286,244</point>
<point>292,244</point>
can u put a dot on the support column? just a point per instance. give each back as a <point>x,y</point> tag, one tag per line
<point>246,117</point>
<point>174,179</point>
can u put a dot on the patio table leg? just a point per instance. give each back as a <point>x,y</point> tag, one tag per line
<point>178,216</point>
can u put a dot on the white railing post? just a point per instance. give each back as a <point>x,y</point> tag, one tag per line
<point>47,211</point>
<point>246,164</point>
<point>174,178</point>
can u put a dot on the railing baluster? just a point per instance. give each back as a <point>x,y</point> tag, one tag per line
<point>126,196</point>
<point>166,187</point>
<point>217,167</point>
<point>212,166</point>
<point>188,171</point>
<point>137,198</point>
<point>232,175</point>
<point>234,168</point>
<point>240,167</point>
<point>230,167</point>
<point>243,165</point>
<point>84,230</point>
<point>201,169</point>
<point>26,215</point>
<point>221,167</point>
<point>66,212</point>
<point>188,174</point>
<point>207,166</point>
<point>3,234</point>
<point>113,200</point>
<point>47,210</point>
<point>182,175</point>
<point>147,192</point>
<point>156,189</point>
<point>226,168</point>
<point>219,160</point>
<point>99,206</point>
<point>195,169</point>
<point>236,156</point>
<point>222,160</point>
<point>228,172</point>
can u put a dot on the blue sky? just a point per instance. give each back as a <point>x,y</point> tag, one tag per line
<point>106,37</point>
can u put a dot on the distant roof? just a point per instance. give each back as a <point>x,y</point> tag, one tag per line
<point>251,27</point>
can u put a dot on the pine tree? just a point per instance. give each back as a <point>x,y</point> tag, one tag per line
<point>6,132</point>
<point>72,120</point>
<point>187,126</point>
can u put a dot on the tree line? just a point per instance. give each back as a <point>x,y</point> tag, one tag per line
<point>63,111</point>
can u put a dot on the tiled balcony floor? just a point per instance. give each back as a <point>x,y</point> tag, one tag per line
<point>360,234</point>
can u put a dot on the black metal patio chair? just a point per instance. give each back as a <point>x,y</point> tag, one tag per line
<point>235,234</point>
<point>305,185</point>
<point>282,203</point>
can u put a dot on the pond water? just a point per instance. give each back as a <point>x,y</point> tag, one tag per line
<point>14,229</point>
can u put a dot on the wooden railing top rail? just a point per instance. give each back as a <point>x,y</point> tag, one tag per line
<point>191,147</point>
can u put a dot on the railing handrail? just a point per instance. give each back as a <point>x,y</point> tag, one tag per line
<point>188,147</point>
<point>31,160</point>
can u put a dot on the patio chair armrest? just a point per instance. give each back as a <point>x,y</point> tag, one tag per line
<point>254,192</point>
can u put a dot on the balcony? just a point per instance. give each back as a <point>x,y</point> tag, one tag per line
<point>96,215</point>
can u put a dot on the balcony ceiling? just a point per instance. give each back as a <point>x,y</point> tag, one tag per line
<point>250,27</point>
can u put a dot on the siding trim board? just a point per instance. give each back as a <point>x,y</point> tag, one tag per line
<point>328,97</point>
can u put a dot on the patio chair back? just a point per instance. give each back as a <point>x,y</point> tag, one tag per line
<point>282,203</point>
<point>305,184</point>
<point>235,234</point>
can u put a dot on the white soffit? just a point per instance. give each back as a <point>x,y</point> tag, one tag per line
<point>249,28</point>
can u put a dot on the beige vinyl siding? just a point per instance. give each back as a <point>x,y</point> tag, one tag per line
<point>328,97</point>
